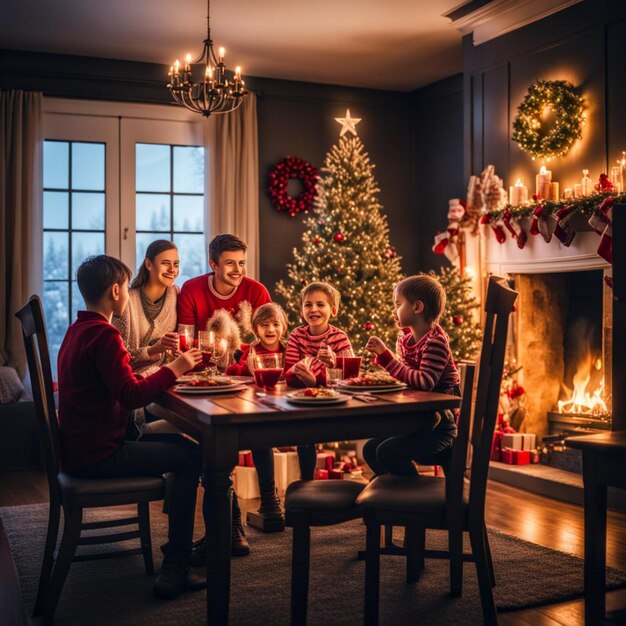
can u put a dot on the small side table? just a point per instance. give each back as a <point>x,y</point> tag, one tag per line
<point>604,465</point>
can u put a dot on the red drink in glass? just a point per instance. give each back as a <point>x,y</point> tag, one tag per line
<point>184,346</point>
<point>351,366</point>
<point>267,378</point>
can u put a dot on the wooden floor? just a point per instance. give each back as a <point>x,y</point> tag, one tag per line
<point>550,523</point>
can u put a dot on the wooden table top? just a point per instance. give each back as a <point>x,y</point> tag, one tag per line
<point>613,442</point>
<point>246,405</point>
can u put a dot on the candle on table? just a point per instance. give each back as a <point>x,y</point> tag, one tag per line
<point>568,193</point>
<point>542,182</point>
<point>578,190</point>
<point>518,193</point>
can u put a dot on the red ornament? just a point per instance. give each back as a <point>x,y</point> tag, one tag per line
<point>339,270</point>
<point>292,167</point>
<point>339,237</point>
<point>390,253</point>
<point>316,240</point>
<point>368,326</point>
<point>458,320</point>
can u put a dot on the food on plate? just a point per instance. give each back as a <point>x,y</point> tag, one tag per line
<point>206,381</point>
<point>372,380</point>
<point>316,392</point>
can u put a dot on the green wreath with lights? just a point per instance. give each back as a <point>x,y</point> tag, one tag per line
<point>532,133</point>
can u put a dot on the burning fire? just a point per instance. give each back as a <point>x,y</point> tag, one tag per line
<point>581,401</point>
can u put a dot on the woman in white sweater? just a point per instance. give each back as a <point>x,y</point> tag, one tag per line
<point>148,323</point>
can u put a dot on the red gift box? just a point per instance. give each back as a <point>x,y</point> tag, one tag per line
<point>335,474</point>
<point>496,446</point>
<point>515,457</point>
<point>245,459</point>
<point>320,474</point>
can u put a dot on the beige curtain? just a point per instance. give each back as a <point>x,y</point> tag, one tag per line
<point>21,238</point>
<point>232,193</point>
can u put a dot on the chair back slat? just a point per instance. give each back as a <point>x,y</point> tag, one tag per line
<point>498,307</point>
<point>38,357</point>
<point>456,472</point>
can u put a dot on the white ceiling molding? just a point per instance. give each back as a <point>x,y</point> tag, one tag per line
<point>503,16</point>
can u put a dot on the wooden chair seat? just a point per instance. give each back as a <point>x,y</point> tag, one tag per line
<point>96,492</point>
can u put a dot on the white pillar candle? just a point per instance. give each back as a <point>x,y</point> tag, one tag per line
<point>586,185</point>
<point>578,190</point>
<point>554,191</point>
<point>518,193</point>
<point>542,182</point>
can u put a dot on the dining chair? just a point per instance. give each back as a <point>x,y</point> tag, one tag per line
<point>314,503</point>
<point>456,504</point>
<point>74,495</point>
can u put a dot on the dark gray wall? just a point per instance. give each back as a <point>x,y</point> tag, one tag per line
<point>585,44</point>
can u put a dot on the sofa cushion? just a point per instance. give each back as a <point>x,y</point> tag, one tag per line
<point>11,387</point>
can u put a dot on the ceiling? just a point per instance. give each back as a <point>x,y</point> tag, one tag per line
<point>385,44</point>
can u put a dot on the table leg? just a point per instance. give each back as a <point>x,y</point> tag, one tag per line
<point>219,448</point>
<point>595,540</point>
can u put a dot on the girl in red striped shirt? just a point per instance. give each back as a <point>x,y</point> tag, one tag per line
<point>424,361</point>
<point>311,348</point>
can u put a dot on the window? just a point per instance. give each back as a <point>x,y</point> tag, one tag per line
<point>74,226</point>
<point>116,176</point>
<point>169,203</point>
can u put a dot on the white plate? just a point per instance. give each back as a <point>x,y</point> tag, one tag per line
<point>297,399</point>
<point>372,388</point>
<point>190,390</point>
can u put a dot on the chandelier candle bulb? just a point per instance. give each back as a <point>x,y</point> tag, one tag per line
<point>518,193</point>
<point>586,184</point>
<point>542,182</point>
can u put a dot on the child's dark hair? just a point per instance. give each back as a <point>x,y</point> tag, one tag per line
<point>152,251</point>
<point>98,273</point>
<point>225,243</point>
<point>426,289</point>
<point>328,290</point>
<point>268,311</point>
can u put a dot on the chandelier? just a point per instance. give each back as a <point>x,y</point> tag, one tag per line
<point>213,92</point>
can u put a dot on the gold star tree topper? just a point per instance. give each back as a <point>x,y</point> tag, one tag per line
<point>348,124</point>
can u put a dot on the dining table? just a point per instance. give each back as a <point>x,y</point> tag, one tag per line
<point>247,418</point>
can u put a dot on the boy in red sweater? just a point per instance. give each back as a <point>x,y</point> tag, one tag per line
<point>311,348</point>
<point>97,391</point>
<point>423,361</point>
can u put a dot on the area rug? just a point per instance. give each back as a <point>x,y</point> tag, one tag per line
<point>117,591</point>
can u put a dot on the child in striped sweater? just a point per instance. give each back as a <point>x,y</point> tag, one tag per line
<point>311,348</point>
<point>424,361</point>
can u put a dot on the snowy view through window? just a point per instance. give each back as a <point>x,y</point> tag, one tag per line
<point>169,205</point>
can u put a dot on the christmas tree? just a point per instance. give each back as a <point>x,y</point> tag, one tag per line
<point>346,243</point>
<point>457,320</point>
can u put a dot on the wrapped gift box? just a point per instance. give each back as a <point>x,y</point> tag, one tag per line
<point>286,470</point>
<point>515,441</point>
<point>320,474</point>
<point>515,457</point>
<point>496,446</point>
<point>529,441</point>
<point>245,458</point>
<point>245,482</point>
<point>325,460</point>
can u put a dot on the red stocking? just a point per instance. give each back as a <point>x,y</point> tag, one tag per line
<point>564,231</point>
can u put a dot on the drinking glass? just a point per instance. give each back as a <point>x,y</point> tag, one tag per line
<point>206,346</point>
<point>267,370</point>
<point>220,346</point>
<point>333,375</point>
<point>185,336</point>
<point>350,365</point>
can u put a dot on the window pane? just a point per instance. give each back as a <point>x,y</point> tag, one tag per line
<point>88,211</point>
<point>153,212</point>
<point>189,213</point>
<point>84,245</point>
<point>55,307</point>
<point>153,167</point>
<point>88,166</point>
<point>56,163</point>
<point>142,241</point>
<point>192,256</point>
<point>55,256</point>
<point>78,304</point>
<point>55,209</point>
<point>188,169</point>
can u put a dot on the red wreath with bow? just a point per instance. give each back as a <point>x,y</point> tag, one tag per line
<point>293,167</point>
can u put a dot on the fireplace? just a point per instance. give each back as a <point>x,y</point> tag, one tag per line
<point>561,339</point>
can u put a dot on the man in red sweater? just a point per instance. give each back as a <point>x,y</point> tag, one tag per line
<point>98,389</point>
<point>226,287</point>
